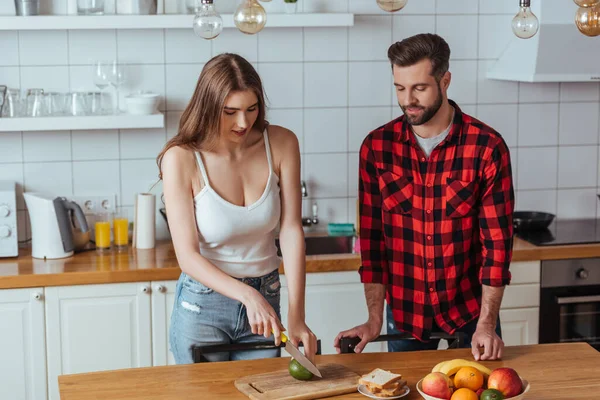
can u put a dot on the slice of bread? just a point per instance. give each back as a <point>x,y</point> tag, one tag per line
<point>379,379</point>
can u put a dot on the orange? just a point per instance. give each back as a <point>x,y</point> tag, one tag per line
<point>464,394</point>
<point>468,377</point>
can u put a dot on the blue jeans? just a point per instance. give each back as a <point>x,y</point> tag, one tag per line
<point>202,316</point>
<point>415,345</point>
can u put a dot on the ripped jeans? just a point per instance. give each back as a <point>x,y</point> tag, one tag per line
<point>202,316</point>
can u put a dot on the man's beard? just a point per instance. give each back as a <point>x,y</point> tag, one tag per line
<point>428,112</point>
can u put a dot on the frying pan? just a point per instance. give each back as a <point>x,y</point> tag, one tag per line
<point>531,220</point>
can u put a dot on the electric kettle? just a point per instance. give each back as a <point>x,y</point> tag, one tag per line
<point>56,226</point>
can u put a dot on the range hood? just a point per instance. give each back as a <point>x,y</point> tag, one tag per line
<point>557,53</point>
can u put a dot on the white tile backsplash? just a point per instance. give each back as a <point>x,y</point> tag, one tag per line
<point>9,43</point>
<point>280,45</point>
<point>325,84</point>
<point>370,38</point>
<point>43,48</point>
<point>574,166</point>
<point>183,46</point>
<point>501,117</point>
<point>330,86</point>
<point>536,200</point>
<point>538,124</point>
<point>577,203</point>
<point>280,90</point>
<point>325,175</point>
<point>370,83</point>
<point>95,145</point>
<point>335,48</point>
<point>578,123</point>
<point>89,46</point>
<point>47,146</point>
<point>326,130</point>
<point>53,178</point>
<point>460,31</point>
<point>539,92</point>
<point>537,168</point>
<point>11,147</point>
<point>130,41</point>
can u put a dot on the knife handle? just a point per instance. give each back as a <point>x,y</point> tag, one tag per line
<point>283,338</point>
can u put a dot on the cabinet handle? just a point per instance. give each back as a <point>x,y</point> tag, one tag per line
<point>160,289</point>
<point>37,296</point>
<point>145,289</point>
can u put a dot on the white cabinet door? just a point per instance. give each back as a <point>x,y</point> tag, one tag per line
<point>163,297</point>
<point>96,328</point>
<point>520,326</point>
<point>335,301</point>
<point>22,345</point>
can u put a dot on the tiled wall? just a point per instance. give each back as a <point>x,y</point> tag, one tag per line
<point>331,86</point>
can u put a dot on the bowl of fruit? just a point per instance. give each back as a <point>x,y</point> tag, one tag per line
<point>460,379</point>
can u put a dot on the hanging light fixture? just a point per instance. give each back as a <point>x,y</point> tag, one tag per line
<point>587,20</point>
<point>586,3</point>
<point>250,17</point>
<point>525,24</point>
<point>208,24</point>
<point>391,5</point>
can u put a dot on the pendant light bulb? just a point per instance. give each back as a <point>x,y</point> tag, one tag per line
<point>587,20</point>
<point>208,24</point>
<point>391,5</point>
<point>250,17</point>
<point>586,3</point>
<point>525,24</point>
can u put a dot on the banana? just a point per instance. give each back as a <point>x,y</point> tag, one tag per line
<point>451,367</point>
<point>438,366</point>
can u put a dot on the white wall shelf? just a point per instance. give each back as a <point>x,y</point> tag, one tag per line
<point>164,21</point>
<point>123,121</point>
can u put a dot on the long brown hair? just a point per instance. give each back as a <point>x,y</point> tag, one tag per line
<point>419,47</point>
<point>199,125</point>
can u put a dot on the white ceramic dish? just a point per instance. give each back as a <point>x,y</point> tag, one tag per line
<point>142,103</point>
<point>364,391</point>
<point>526,385</point>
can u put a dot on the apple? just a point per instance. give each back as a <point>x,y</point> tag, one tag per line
<point>507,381</point>
<point>437,384</point>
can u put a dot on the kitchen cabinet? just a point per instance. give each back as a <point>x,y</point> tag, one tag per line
<point>22,344</point>
<point>520,309</point>
<point>335,301</point>
<point>96,328</point>
<point>163,297</point>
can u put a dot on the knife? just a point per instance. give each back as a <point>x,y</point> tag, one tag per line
<point>297,354</point>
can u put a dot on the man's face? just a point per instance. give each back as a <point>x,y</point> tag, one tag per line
<point>419,94</point>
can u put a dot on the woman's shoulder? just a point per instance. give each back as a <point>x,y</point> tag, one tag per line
<point>282,138</point>
<point>177,157</point>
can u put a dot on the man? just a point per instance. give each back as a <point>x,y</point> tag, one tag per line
<point>436,204</point>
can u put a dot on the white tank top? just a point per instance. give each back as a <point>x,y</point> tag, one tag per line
<point>239,240</point>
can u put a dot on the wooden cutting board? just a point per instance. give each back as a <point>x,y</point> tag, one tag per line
<point>337,379</point>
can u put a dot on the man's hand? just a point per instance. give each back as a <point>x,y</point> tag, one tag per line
<point>366,332</point>
<point>485,336</point>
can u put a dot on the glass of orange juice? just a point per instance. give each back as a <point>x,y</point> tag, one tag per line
<point>102,232</point>
<point>121,229</point>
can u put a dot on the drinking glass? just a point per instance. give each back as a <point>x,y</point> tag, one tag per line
<point>90,7</point>
<point>35,103</point>
<point>101,77</point>
<point>12,103</point>
<point>102,232</point>
<point>121,229</point>
<point>117,77</point>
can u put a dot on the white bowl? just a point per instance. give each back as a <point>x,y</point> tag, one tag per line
<point>142,103</point>
<point>519,397</point>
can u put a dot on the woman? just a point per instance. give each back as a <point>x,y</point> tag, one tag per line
<point>229,181</point>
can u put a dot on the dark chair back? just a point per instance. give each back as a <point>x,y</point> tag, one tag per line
<point>455,341</point>
<point>198,352</point>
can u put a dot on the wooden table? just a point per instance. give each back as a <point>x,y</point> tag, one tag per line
<point>555,371</point>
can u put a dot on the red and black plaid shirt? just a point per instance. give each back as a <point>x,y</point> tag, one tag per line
<point>435,230</point>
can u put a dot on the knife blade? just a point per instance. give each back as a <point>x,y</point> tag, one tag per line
<point>297,354</point>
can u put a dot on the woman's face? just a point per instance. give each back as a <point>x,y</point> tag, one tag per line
<point>238,115</point>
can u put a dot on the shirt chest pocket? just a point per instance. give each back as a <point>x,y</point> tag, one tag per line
<point>396,192</point>
<point>461,198</point>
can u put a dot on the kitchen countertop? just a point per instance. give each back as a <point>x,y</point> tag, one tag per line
<point>554,371</point>
<point>160,264</point>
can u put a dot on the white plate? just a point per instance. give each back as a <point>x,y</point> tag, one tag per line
<point>363,390</point>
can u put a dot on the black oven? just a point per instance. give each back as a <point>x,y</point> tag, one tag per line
<point>570,301</point>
